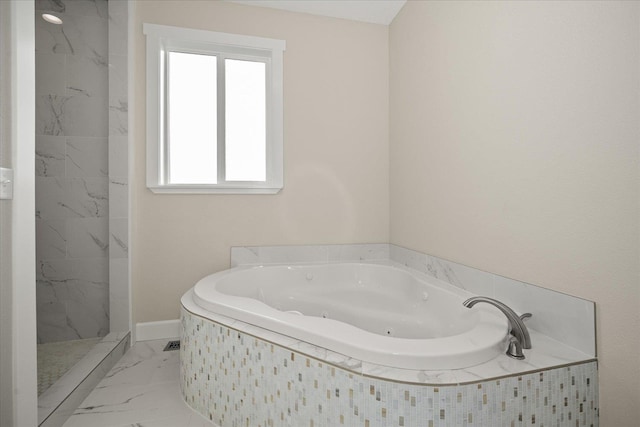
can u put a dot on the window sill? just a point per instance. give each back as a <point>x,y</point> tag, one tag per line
<point>204,189</point>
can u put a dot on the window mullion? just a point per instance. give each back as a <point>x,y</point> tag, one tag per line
<point>221,121</point>
<point>165,167</point>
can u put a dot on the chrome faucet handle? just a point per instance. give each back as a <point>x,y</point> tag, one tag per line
<point>525,316</point>
<point>515,349</point>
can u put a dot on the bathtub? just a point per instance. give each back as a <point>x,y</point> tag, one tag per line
<point>374,312</point>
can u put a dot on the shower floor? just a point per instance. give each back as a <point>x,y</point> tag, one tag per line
<point>56,358</point>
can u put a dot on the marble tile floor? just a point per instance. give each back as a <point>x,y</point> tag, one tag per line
<point>56,358</point>
<point>142,390</point>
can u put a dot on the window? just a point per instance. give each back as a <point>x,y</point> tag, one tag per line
<point>214,112</point>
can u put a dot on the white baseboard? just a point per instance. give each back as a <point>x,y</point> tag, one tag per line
<point>163,329</point>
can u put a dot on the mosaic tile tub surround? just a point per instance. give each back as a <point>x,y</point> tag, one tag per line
<point>238,374</point>
<point>237,379</point>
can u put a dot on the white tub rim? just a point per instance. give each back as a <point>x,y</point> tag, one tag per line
<point>487,338</point>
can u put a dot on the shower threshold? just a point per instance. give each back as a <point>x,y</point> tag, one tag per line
<point>58,401</point>
<point>56,358</point>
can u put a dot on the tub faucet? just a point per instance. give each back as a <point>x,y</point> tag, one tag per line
<point>520,338</point>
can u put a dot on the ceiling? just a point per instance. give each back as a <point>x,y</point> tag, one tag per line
<point>374,11</point>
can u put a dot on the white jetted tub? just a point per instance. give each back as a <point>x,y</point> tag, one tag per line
<point>374,312</point>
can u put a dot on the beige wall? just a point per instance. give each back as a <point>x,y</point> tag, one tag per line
<point>514,149</point>
<point>336,153</point>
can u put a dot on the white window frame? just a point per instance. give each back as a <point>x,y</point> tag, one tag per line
<point>162,39</point>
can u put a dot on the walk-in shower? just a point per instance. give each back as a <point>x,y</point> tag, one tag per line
<point>81,182</point>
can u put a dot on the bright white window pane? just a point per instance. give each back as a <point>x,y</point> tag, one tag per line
<point>192,111</point>
<point>245,120</point>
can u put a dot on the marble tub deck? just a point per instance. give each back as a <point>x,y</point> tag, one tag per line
<point>142,390</point>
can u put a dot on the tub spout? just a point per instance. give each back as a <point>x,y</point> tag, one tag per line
<point>516,325</point>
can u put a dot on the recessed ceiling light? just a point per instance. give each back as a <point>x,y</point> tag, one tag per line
<point>51,18</point>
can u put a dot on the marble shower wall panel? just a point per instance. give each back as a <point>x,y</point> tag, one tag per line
<point>118,167</point>
<point>87,157</point>
<point>50,156</point>
<point>72,170</point>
